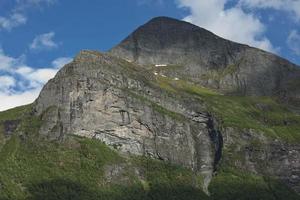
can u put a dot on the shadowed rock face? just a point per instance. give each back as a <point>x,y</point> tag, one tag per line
<point>115,97</point>
<point>10,126</point>
<point>207,59</point>
<point>168,41</point>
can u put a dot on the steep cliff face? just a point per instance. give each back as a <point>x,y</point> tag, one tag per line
<point>254,152</point>
<point>208,60</point>
<point>164,112</point>
<point>103,97</point>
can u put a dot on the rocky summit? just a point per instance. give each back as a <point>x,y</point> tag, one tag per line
<point>210,61</point>
<point>180,111</point>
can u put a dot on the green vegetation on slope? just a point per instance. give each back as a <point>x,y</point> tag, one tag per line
<point>27,166</point>
<point>239,185</point>
<point>156,107</point>
<point>32,168</point>
<point>259,113</point>
<point>15,113</point>
<point>10,120</point>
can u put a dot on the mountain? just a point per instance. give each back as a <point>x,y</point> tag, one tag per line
<point>172,112</point>
<point>209,60</point>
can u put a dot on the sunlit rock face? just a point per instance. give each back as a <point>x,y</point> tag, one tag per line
<point>118,98</point>
<point>94,97</point>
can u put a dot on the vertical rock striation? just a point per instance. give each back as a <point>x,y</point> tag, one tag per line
<point>209,60</point>
<point>116,97</point>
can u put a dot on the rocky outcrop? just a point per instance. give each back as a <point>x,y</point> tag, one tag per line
<point>92,97</point>
<point>209,60</point>
<point>252,151</point>
<point>106,98</point>
<point>116,97</point>
<point>10,126</point>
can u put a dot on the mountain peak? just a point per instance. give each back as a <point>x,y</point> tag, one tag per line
<point>163,21</point>
<point>162,39</point>
<point>173,92</point>
<point>204,58</point>
<point>166,26</point>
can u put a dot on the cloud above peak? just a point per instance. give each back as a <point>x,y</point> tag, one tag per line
<point>60,62</point>
<point>231,23</point>
<point>12,21</point>
<point>292,7</point>
<point>293,42</point>
<point>6,83</point>
<point>18,14</point>
<point>44,42</point>
<point>25,4</point>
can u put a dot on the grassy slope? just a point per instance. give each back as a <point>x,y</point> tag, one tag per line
<point>32,168</point>
<point>259,113</point>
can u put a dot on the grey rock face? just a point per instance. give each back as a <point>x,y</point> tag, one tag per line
<point>10,126</point>
<point>114,97</point>
<point>209,60</point>
<point>93,97</point>
<point>262,155</point>
<point>106,98</point>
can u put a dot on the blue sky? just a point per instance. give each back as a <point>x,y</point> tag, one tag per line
<point>37,37</point>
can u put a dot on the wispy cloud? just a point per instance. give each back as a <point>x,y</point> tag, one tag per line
<point>12,21</point>
<point>231,23</point>
<point>19,83</point>
<point>6,83</point>
<point>292,7</point>
<point>44,41</point>
<point>5,61</point>
<point>293,42</point>
<point>18,15</point>
<point>150,2</point>
<point>22,5</point>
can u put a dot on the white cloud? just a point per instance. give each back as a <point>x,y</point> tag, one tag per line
<point>23,70</point>
<point>5,61</point>
<point>41,76</point>
<point>293,42</point>
<point>232,23</point>
<point>6,82</point>
<point>12,100</point>
<point>43,41</point>
<point>17,16</point>
<point>60,62</point>
<point>290,6</point>
<point>21,83</point>
<point>12,21</point>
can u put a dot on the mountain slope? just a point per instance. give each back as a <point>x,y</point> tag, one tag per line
<point>137,112</point>
<point>207,139</point>
<point>33,168</point>
<point>209,60</point>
